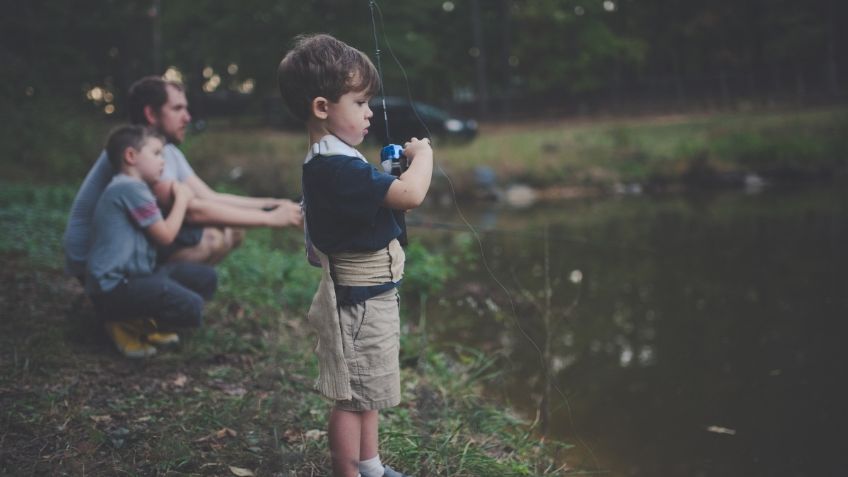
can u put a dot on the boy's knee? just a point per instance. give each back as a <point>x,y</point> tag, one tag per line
<point>213,239</point>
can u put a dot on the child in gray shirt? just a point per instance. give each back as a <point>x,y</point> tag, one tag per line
<point>122,277</point>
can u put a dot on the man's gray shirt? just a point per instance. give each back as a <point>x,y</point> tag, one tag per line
<point>77,239</point>
<point>120,248</point>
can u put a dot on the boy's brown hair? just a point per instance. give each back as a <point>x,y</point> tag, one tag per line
<point>122,137</point>
<point>320,65</point>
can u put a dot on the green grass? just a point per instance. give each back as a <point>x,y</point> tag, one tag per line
<point>238,392</point>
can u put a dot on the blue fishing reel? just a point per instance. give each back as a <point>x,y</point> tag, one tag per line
<point>393,160</point>
<point>395,163</point>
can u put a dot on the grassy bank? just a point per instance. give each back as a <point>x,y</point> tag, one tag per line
<point>236,396</point>
<point>652,151</point>
<point>596,154</point>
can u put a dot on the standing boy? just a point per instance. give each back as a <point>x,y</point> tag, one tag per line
<point>122,277</point>
<point>349,220</point>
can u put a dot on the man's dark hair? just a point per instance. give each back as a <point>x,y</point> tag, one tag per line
<point>320,65</point>
<point>148,91</point>
<point>123,137</point>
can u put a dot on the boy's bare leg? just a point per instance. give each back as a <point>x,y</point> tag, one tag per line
<point>345,428</point>
<point>368,435</point>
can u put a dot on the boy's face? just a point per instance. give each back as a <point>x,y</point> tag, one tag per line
<point>173,117</point>
<point>149,161</point>
<point>349,118</point>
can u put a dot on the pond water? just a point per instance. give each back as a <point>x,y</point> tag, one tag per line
<point>696,335</point>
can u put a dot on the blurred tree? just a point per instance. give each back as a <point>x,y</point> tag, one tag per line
<point>528,51</point>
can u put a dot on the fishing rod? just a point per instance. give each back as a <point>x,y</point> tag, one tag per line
<point>392,159</point>
<point>399,151</point>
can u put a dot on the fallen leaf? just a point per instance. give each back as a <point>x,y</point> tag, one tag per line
<point>291,435</point>
<point>144,419</point>
<point>180,380</point>
<point>219,434</point>
<point>721,430</point>
<point>103,418</point>
<point>64,425</point>
<point>315,434</point>
<point>241,472</point>
<point>235,391</point>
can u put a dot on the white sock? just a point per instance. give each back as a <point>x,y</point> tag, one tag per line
<point>371,467</point>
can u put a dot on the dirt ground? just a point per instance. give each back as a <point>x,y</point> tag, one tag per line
<point>71,405</point>
<point>235,397</point>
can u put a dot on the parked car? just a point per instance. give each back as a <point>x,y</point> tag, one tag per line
<point>404,123</point>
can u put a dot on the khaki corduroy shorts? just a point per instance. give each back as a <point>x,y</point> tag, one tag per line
<point>371,340</point>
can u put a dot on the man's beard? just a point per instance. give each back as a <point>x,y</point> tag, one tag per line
<point>172,139</point>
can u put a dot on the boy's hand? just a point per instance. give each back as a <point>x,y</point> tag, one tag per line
<point>409,190</point>
<point>182,191</point>
<point>287,213</point>
<point>416,147</point>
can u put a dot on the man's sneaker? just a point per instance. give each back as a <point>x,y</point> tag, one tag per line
<point>389,472</point>
<point>127,337</point>
<point>159,338</point>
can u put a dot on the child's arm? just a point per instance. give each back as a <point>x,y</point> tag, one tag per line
<point>409,190</point>
<point>165,231</point>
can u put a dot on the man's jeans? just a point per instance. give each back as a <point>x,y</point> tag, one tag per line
<point>173,295</point>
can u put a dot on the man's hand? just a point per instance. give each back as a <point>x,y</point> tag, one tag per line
<point>272,203</point>
<point>287,213</point>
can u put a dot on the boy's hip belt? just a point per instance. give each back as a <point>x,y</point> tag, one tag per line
<point>358,276</point>
<point>362,269</point>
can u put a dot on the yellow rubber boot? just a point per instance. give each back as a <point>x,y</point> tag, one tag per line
<point>159,338</point>
<point>127,336</point>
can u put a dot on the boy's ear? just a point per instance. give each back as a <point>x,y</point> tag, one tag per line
<point>130,156</point>
<point>150,115</point>
<point>319,107</point>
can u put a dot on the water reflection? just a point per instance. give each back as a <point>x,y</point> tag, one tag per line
<point>706,340</point>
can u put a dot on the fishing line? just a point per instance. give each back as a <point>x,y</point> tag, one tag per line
<point>373,4</point>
